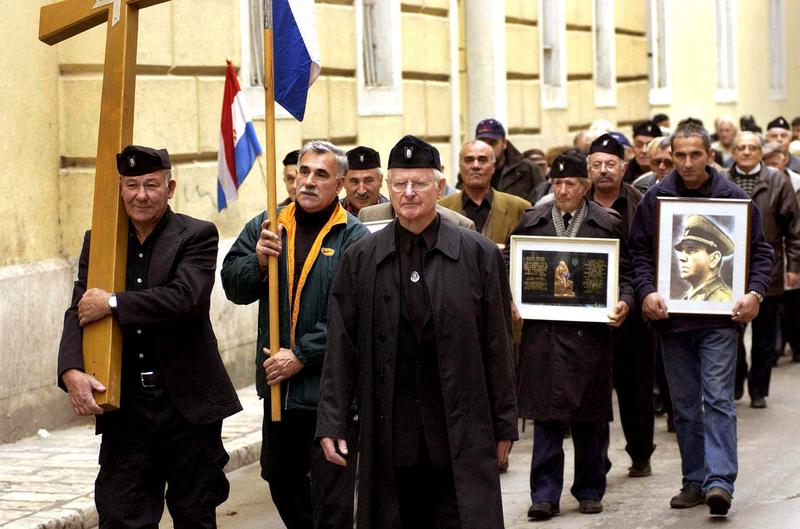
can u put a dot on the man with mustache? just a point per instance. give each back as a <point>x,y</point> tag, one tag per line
<point>634,343</point>
<point>315,230</point>
<point>363,180</point>
<point>494,213</point>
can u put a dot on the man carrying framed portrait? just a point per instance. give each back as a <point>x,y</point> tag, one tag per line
<point>564,372</point>
<point>699,349</point>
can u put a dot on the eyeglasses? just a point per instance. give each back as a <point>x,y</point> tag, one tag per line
<point>419,186</point>
<point>666,162</point>
<point>610,165</point>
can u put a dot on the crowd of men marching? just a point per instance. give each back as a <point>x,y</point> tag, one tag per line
<point>404,364</point>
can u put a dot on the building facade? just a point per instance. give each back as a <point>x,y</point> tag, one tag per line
<point>433,68</point>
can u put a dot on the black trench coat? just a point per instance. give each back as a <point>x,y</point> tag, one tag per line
<point>470,298</point>
<point>564,371</point>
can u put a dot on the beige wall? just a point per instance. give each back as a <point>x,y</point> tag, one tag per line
<point>29,139</point>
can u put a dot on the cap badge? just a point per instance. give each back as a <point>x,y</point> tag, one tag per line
<point>605,142</point>
<point>409,153</point>
<point>649,128</point>
<point>560,166</point>
<point>132,161</point>
<point>361,158</point>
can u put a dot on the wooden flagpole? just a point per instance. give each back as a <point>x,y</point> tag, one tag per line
<point>272,202</point>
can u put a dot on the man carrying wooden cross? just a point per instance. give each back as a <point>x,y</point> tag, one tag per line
<point>175,390</point>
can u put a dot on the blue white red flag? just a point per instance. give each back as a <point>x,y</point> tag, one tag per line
<point>296,53</point>
<point>238,143</point>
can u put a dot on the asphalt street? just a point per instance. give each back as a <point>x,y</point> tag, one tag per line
<point>767,492</point>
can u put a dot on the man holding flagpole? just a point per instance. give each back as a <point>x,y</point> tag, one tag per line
<point>315,230</point>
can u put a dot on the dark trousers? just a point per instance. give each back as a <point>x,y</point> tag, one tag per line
<point>299,476</point>
<point>790,323</point>
<point>590,440</point>
<point>634,377</point>
<point>764,351</point>
<point>148,445</point>
<point>426,495</point>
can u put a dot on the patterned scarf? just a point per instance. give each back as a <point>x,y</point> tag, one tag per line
<point>574,224</point>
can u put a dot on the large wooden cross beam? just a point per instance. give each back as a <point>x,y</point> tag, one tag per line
<point>102,340</point>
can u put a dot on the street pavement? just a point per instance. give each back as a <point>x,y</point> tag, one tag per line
<point>46,482</point>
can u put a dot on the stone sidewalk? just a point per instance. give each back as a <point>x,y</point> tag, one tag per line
<point>47,481</point>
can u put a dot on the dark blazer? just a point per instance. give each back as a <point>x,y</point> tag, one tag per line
<point>174,307</point>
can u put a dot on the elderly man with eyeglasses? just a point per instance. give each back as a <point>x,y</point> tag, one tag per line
<point>660,154</point>
<point>419,335</point>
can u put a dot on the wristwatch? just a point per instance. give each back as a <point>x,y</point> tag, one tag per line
<point>756,295</point>
<point>112,303</point>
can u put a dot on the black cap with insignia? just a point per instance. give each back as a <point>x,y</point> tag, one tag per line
<point>647,128</point>
<point>291,158</point>
<point>607,144</point>
<point>362,158</point>
<point>779,123</point>
<point>569,164</point>
<point>412,152</point>
<point>135,160</point>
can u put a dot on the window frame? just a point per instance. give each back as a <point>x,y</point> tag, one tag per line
<point>605,50</point>
<point>659,25</point>
<point>553,96</point>
<point>380,100</point>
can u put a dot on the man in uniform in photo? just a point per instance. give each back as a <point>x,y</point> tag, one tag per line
<point>700,254</point>
<point>775,198</point>
<point>494,213</point>
<point>436,407</point>
<point>564,376</point>
<point>315,230</point>
<point>175,390</point>
<point>702,391</point>
<point>634,342</point>
<point>363,181</point>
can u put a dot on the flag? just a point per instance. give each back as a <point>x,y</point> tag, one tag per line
<point>238,143</point>
<point>296,53</point>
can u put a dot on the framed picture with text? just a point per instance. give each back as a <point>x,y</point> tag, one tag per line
<point>564,278</point>
<point>702,253</point>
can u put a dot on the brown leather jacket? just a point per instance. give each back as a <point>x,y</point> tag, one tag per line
<point>776,200</point>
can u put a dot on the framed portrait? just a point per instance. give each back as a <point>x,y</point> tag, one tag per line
<point>702,253</point>
<point>377,225</point>
<point>565,278</point>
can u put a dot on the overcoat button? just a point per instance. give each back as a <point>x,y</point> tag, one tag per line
<point>580,333</point>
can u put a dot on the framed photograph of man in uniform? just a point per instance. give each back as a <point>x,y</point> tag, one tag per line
<point>702,253</point>
<point>564,278</point>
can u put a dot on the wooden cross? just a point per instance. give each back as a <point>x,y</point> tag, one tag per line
<point>102,340</point>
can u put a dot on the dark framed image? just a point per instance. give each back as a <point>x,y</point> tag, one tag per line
<point>702,253</point>
<point>564,278</point>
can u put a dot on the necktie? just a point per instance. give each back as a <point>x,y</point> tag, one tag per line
<point>567,218</point>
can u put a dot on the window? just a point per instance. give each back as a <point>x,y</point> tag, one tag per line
<point>777,50</point>
<point>726,51</point>
<point>605,50</point>
<point>378,45</point>
<point>658,40</point>
<point>251,71</point>
<point>553,39</point>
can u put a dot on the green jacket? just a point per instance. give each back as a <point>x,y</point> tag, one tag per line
<point>303,326</point>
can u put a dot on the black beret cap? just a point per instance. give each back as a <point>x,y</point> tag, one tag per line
<point>647,128</point>
<point>569,164</point>
<point>363,158</point>
<point>607,144</point>
<point>135,160</point>
<point>411,152</point>
<point>779,123</point>
<point>291,158</point>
